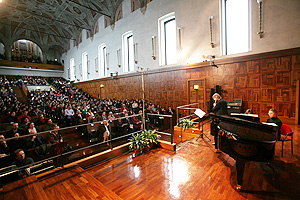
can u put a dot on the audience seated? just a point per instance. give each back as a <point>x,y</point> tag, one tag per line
<point>65,105</point>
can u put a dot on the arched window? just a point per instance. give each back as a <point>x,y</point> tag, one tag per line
<point>102,64</point>
<point>167,39</point>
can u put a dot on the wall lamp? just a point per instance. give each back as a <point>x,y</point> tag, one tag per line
<point>119,57</point>
<point>196,87</point>
<point>153,43</point>
<point>261,32</point>
<point>212,45</point>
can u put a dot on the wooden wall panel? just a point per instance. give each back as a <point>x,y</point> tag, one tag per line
<point>253,80</point>
<point>283,63</point>
<point>254,67</point>
<point>283,78</point>
<point>268,65</point>
<point>296,62</point>
<point>268,79</point>
<point>264,81</point>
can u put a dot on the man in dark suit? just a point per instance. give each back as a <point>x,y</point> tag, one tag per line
<point>220,105</point>
<point>219,108</point>
<point>14,129</point>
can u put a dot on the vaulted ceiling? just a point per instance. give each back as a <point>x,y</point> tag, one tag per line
<point>52,22</point>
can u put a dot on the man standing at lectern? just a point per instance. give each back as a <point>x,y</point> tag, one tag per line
<point>219,108</point>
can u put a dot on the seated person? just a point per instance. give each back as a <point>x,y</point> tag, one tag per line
<point>54,137</point>
<point>90,113</point>
<point>274,119</point>
<point>49,126</point>
<point>24,124</point>
<point>136,122</point>
<point>69,112</point>
<point>35,140</point>
<point>41,120</point>
<point>89,119</point>
<point>106,132</point>
<point>249,111</point>
<point>77,117</point>
<point>140,116</point>
<point>170,111</point>
<point>11,118</point>
<point>103,116</point>
<point>4,150</point>
<point>20,161</point>
<point>121,126</point>
<point>16,143</point>
<point>24,114</point>
<point>14,129</point>
<point>110,116</point>
<point>128,124</point>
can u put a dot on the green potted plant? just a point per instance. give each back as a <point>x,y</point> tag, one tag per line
<point>151,136</point>
<point>142,140</point>
<point>185,124</point>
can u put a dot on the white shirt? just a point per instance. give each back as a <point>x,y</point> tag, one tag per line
<point>69,112</point>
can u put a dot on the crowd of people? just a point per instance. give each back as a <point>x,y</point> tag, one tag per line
<point>62,106</point>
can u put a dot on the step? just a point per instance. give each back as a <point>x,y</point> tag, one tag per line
<point>74,183</point>
<point>27,188</point>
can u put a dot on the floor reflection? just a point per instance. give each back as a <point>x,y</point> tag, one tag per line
<point>178,173</point>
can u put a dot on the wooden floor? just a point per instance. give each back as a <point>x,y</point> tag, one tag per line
<point>74,183</point>
<point>195,171</point>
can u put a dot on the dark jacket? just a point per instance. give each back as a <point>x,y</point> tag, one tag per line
<point>278,122</point>
<point>221,107</point>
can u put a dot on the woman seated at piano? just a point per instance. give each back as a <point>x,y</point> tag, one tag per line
<point>274,119</point>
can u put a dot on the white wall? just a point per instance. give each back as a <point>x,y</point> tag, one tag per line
<point>281,24</point>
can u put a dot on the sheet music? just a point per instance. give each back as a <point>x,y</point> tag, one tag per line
<point>200,113</point>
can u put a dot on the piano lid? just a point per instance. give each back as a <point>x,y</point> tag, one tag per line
<point>247,130</point>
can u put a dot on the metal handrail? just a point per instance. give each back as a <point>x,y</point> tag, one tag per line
<point>14,169</point>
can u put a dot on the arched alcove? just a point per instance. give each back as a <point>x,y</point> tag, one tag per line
<point>26,51</point>
<point>54,55</point>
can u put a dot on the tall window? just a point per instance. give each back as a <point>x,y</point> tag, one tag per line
<point>167,39</point>
<point>128,52</point>
<point>84,65</point>
<point>235,26</point>
<point>102,64</point>
<point>72,71</point>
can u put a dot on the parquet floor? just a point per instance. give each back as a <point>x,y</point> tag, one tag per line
<point>195,171</point>
<point>74,183</point>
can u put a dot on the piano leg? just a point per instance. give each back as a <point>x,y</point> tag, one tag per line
<point>240,167</point>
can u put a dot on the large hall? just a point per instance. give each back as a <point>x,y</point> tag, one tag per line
<point>149,99</point>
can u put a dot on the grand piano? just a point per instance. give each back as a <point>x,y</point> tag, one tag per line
<point>244,140</point>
